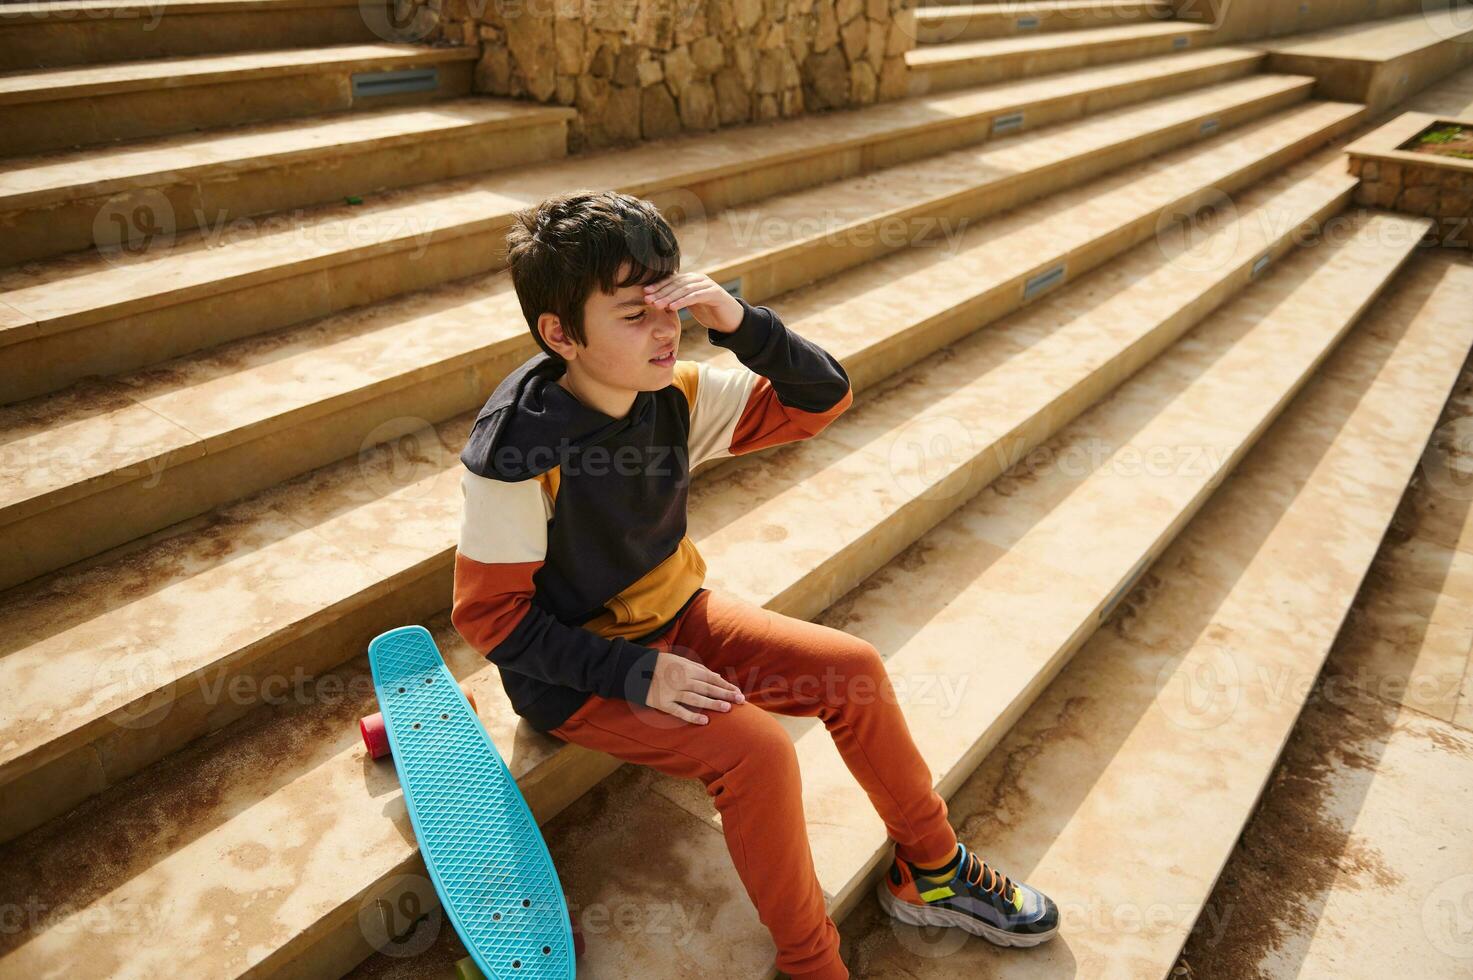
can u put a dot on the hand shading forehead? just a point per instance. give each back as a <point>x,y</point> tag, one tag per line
<point>627,300</point>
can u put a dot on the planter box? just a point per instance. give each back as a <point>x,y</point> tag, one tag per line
<point>1397,173</point>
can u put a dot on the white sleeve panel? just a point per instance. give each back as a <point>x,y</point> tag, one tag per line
<point>503,522</point>
<point>721,394</point>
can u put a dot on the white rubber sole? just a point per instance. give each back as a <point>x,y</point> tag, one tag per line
<point>916,916</point>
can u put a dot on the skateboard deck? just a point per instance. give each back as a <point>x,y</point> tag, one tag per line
<point>480,842</point>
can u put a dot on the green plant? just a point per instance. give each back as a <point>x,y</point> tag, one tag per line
<point>1446,134</point>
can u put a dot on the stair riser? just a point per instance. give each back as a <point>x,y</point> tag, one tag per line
<point>1013,20</point>
<point>30,41</point>
<point>81,119</point>
<point>1004,67</point>
<point>137,503</point>
<point>114,340</point>
<point>218,196</point>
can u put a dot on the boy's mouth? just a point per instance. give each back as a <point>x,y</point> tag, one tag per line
<point>666,360</point>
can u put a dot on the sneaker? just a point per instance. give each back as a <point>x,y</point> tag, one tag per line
<point>977,899</point>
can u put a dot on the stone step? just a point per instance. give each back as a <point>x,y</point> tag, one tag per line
<point>1380,62</point>
<point>1158,738</point>
<point>961,293</point>
<point>1408,810</point>
<point>58,108</point>
<point>1412,641</point>
<point>1380,697</point>
<point>1035,564</point>
<point>77,32</point>
<point>171,442</point>
<point>976,21</point>
<point>938,67</point>
<point>166,295</point>
<point>50,204</point>
<point>284,797</point>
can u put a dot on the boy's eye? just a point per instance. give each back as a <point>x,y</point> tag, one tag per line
<point>637,316</point>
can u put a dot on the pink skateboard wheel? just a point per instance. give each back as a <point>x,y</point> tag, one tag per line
<point>376,737</point>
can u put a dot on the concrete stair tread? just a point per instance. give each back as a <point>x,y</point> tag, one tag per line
<point>939,25</point>
<point>1377,40</point>
<point>831,313</point>
<point>1036,43</point>
<point>23,10</point>
<point>324,809</point>
<point>1253,594</point>
<point>1007,565</point>
<point>49,84</point>
<point>201,403</point>
<point>78,287</point>
<point>1025,7</point>
<point>50,178</point>
<point>1047,15</point>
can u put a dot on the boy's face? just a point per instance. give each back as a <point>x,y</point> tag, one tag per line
<point>624,335</point>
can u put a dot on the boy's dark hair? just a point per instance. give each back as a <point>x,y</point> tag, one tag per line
<point>563,248</point>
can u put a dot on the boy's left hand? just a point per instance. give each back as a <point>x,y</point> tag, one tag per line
<point>713,307</point>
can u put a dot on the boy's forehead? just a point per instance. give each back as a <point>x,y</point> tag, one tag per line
<point>628,298</point>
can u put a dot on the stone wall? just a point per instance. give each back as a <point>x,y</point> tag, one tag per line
<point>643,69</point>
<point>1443,193</point>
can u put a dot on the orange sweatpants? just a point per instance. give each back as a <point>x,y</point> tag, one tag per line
<point>749,765</point>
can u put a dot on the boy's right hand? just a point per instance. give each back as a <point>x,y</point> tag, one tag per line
<point>678,682</point>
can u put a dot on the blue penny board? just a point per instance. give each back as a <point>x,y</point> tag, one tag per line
<point>480,842</point>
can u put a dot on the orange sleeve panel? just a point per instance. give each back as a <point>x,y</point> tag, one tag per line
<point>490,599</point>
<point>766,421</point>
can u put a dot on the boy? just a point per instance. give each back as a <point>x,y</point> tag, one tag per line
<point>575,576</point>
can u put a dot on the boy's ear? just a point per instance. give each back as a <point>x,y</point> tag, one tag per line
<point>551,329</point>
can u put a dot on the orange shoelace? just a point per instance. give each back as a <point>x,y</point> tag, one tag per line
<point>997,882</point>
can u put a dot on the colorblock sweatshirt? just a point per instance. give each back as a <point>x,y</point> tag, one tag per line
<point>573,550</point>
